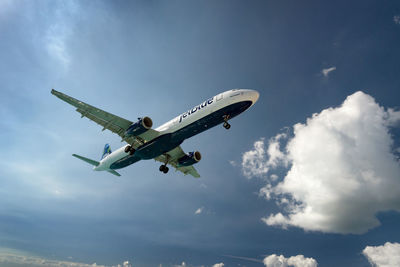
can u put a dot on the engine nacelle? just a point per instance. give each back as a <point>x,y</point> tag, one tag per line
<point>139,127</point>
<point>189,159</point>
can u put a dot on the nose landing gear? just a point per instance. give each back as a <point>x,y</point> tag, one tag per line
<point>226,124</point>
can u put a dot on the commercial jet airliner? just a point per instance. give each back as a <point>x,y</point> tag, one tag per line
<point>162,143</point>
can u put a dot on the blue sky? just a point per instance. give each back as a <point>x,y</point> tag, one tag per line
<point>157,59</point>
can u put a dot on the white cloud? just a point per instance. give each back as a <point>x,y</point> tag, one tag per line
<point>296,261</point>
<point>396,19</point>
<point>326,72</point>
<point>199,210</point>
<point>275,155</point>
<point>38,262</point>
<point>387,255</point>
<point>254,162</point>
<point>273,177</point>
<point>342,170</point>
<point>257,162</point>
<point>181,265</point>
<point>218,265</point>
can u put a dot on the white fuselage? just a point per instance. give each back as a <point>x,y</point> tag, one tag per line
<point>197,113</point>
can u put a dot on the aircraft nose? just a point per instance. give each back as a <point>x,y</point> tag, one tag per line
<point>254,95</point>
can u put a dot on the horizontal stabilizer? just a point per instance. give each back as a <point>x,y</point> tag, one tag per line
<point>90,161</point>
<point>114,172</point>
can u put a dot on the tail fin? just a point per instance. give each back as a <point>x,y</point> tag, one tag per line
<point>106,151</point>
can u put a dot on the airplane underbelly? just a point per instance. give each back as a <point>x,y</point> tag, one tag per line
<point>156,147</point>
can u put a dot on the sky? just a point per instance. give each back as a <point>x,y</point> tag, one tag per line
<point>310,175</point>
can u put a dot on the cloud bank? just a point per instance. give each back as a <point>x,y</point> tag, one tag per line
<point>17,259</point>
<point>343,169</point>
<point>387,255</point>
<point>296,261</point>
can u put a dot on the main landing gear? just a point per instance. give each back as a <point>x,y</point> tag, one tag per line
<point>226,124</point>
<point>164,168</point>
<point>129,149</point>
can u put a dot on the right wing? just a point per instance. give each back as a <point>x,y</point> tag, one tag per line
<point>109,121</point>
<point>173,156</point>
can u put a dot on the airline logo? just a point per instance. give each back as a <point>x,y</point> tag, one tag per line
<point>196,108</point>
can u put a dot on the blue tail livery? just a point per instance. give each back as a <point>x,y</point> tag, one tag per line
<point>106,151</point>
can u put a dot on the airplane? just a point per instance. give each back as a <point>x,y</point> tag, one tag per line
<point>162,143</point>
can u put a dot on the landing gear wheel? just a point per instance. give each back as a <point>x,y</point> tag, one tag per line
<point>164,169</point>
<point>227,125</point>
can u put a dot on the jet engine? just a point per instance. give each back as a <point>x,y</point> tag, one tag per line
<point>189,159</point>
<point>139,127</point>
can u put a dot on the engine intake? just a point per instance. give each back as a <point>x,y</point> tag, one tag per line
<point>189,159</point>
<point>139,127</point>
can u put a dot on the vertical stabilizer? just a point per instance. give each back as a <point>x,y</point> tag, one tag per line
<point>106,151</point>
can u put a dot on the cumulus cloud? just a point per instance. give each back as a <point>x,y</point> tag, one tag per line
<point>259,160</point>
<point>396,19</point>
<point>254,162</point>
<point>342,169</point>
<point>296,261</point>
<point>326,72</point>
<point>218,265</point>
<point>387,255</point>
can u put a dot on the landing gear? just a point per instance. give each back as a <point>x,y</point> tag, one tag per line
<point>129,149</point>
<point>226,124</point>
<point>164,168</point>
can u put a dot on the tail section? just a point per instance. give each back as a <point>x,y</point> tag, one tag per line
<point>106,151</point>
<point>95,163</point>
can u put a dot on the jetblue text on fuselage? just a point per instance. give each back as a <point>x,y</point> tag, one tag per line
<point>196,108</point>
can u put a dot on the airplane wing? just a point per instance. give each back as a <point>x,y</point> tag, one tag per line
<point>173,157</point>
<point>109,121</point>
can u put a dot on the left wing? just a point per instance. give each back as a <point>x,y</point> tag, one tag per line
<point>173,156</point>
<point>109,121</point>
